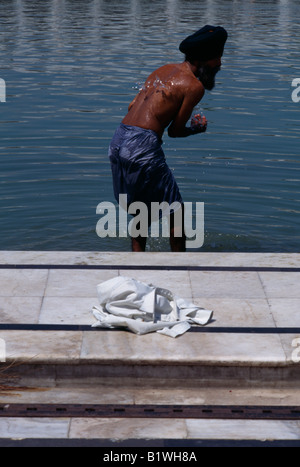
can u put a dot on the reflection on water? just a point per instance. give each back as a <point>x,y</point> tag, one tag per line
<point>71,68</point>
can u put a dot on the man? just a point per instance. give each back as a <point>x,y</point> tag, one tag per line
<point>166,100</point>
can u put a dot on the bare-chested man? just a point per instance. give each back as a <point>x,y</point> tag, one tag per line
<point>166,100</point>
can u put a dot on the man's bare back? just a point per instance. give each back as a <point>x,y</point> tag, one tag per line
<point>169,96</point>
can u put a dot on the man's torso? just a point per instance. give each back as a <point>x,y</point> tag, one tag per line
<point>161,97</point>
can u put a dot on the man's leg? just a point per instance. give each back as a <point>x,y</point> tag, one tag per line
<point>138,243</point>
<point>177,235</point>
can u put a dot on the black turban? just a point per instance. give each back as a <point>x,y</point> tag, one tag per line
<point>205,44</point>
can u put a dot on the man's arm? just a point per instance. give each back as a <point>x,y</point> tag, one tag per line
<point>178,128</point>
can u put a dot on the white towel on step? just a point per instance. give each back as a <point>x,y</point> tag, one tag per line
<point>142,308</point>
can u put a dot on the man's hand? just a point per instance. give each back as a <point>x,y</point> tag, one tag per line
<point>198,123</point>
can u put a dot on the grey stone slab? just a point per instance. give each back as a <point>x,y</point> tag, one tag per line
<point>91,393</point>
<point>22,283</point>
<point>281,284</point>
<point>67,310</point>
<point>237,312</point>
<point>226,284</point>
<point>243,429</point>
<point>34,427</point>
<point>133,428</point>
<point>42,346</point>
<point>20,309</point>
<point>286,311</point>
<point>189,349</point>
<point>106,346</point>
<point>226,395</point>
<point>76,283</point>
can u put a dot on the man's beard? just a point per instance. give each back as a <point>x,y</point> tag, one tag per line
<point>207,76</point>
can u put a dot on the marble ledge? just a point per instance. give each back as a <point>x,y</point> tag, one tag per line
<point>151,258</point>
<point>123,348</point>
<point>136,428</point>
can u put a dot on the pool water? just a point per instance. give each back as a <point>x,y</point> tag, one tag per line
<point>72,67</point>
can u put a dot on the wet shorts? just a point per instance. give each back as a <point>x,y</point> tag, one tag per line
<point>139,167</point>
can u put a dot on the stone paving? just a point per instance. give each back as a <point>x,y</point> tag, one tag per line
<point>243,290</point>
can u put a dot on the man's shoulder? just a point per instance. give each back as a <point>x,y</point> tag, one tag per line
<point>194,86</point>
<point>182,80</point>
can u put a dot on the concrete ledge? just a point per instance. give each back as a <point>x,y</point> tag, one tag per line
<point>238,298</point>
<point>151,259</point>
<point>117,429</point>
<point>115,367</point>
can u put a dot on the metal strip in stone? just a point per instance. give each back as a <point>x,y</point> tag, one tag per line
<point>232,412</point>
<point>151,267</point>
<point>204,329</point>
<point>141,445</point>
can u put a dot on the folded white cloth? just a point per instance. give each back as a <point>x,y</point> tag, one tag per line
<point>142,308</point>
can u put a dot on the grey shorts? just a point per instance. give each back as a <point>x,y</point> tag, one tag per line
<point>139,167</point>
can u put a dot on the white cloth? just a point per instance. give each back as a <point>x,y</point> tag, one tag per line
<point>142,308</point>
